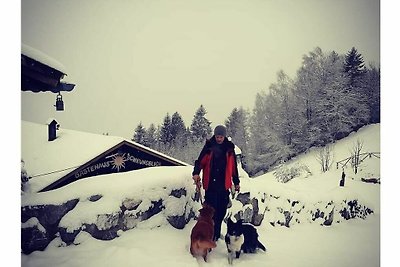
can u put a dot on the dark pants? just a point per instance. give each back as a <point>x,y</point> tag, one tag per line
<point>219,201</point>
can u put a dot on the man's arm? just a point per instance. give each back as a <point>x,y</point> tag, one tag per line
<point>197,166</point>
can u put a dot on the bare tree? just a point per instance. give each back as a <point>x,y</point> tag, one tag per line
<point>355,154</point>
<point>325,157</point>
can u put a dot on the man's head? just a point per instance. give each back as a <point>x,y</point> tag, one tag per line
<point>220,133</point>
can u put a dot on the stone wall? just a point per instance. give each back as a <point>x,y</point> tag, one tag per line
<point>41,223</point>
<point>279,211</point>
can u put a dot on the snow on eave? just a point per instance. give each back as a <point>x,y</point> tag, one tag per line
<point>67,79</point>
<point>157,152</point>
<point>42,58</point>
<point>50,120</point>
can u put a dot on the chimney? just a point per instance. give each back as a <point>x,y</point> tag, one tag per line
<point>52,129</point>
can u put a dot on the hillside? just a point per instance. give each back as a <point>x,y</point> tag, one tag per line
<point>318,185</point>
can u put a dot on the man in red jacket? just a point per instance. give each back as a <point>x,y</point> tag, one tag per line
<point>217,159</point>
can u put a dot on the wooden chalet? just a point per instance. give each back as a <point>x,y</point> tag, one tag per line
<point>123,157</point>
<point>75,155</point>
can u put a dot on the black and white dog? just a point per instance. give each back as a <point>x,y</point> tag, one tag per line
<point>241,237</point>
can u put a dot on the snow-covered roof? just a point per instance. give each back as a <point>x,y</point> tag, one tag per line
<point>47,162</point>
<point>50,120</point>
<point>42,58</point>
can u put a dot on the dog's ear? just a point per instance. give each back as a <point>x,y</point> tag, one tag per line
<point>212,209</point>
<point>205,206</point>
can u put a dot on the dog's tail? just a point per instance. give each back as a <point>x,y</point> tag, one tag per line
<point>261,246</point>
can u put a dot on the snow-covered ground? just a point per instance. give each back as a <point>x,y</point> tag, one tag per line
<point>354,243</point>
<point>154,242</point>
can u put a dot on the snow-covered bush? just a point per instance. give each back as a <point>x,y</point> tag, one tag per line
<point>286,173</point>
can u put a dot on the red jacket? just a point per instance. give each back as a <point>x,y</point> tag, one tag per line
<point>205,159</point>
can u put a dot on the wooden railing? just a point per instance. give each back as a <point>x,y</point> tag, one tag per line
<point>362,156</point>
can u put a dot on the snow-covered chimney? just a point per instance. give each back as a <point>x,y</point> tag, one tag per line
<point>52,129</point>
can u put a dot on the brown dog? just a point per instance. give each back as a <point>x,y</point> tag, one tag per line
<point>202,233</point>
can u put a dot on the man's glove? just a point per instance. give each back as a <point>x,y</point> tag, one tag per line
<point>196,180</point>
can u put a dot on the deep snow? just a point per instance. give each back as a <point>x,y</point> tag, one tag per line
<point>155,243</point>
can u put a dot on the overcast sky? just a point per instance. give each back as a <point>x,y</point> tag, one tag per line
<point>135,61</point>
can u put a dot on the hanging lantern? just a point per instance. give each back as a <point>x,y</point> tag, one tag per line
<point>59,103</point>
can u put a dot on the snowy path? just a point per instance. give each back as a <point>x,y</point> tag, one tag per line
<point>354,243</point>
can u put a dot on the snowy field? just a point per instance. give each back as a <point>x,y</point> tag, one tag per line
<point>353,244</point>
<point>154,242</point>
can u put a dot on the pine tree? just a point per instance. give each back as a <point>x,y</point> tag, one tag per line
<point>374,94</point>
<point>178,129</point>
<point>237,128</point>
<point>140,134</point>
<point>356,72</point>
<point>151,137</point>
<point>200,127</point>
<point>165,131</point>
<point>354,65</point>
